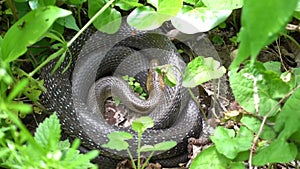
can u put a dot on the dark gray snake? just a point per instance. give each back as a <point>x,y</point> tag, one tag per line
<point>128,52</point>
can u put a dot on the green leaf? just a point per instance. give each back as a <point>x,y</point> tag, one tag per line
<point>141,124</point>
<point>262,21</point>
<point>169,77</point>
<point>24,108</point>
<point>193,20</point>
<point>230,145</point>
<point>109,21</point>
<point>126,77</point>
<point>279,151</point>
<point>127,4</point>
<point>28,30</point>
<point>254,123</point>
<point>34,4</point>
<point>117,140</point>
<point>210,158</point>
<point>297,15</point>
<point>266,92</point>
<point>273,66</point>
<point>201,70</point>
<point>48,133</point>
<point>288,119</point>
<point>68,22</point>
<point>296,72</point>
<point>163,146</point>
<point>17,89</point>
<point>223,4</point>
<point>147,18</point>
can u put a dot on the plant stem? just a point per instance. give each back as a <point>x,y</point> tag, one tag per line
<point>139,150</point>
<point>62,50</point>
<point>190,91</point>
<point>148,159</point>
<point>131,158</point>
<point>90,22</point>
<point>263,123</point>
<point>53,56</point>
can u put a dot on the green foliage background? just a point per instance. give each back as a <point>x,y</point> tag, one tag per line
<point>258,87</point>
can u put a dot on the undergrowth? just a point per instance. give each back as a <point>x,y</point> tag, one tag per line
<point>32,33</point>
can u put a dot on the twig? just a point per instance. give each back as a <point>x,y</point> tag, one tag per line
<point>90,22</point>
<point>292,27</point>
<point>263,123</point>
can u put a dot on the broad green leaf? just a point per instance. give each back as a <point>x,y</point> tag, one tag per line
<point>147,18</point>
<point>48,133</point>
<point>254,123</point>
<point>147,148</point>
<point>141,124</point>
<point>254,86</point>
<point>34,4</point>
<point>109,21</point>
<point>262,21</point>
<point>297,15</point>
<point>128,4</point>
<point>210,158</point>
<point>28,30</point>
<point>298,6</point>
<point>68,22</point>
<point>223,4</point>
<point>279,151</point>
<point>170,78</point>
<point>287,121</point>
<point>296,72</point>
<point>117,140</point>
<point>273,66</point>
<point>201,19</point>
<point>230,145</point>
<point>163,146</point>
<point>201,70</point>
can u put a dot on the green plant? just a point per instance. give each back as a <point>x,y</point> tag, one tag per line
<point>21,150</point>
<point>268,134</point>
<point>117,141</point>
<point>269,95</point>
<point>135,86</point>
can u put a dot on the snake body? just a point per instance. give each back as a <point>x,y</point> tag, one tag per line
<point>96,56</point>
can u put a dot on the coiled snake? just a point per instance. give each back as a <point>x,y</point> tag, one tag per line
<point>128,52</point>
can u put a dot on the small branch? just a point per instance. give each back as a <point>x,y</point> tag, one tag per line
<point>263,123</point>
<point>90,22</point>
<point>292,27</point>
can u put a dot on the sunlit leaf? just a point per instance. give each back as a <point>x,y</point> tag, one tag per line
<point>117,140</point>
<point>201,70</point>
<point>230,145</point>
<point>201,19</point>
<point>279,151</point>
<point>141,124</point>
<point>28,30</point>
<point>109,21</point>
<point>148,18</point>
<point>262,21</point>
<point>254,86</point>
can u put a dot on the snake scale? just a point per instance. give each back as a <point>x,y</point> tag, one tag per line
<point>96,55</point>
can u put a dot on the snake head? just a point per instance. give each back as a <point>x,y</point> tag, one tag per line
<point>154,79</point>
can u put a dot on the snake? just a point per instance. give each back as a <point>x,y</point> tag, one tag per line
<point>94,67</point>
